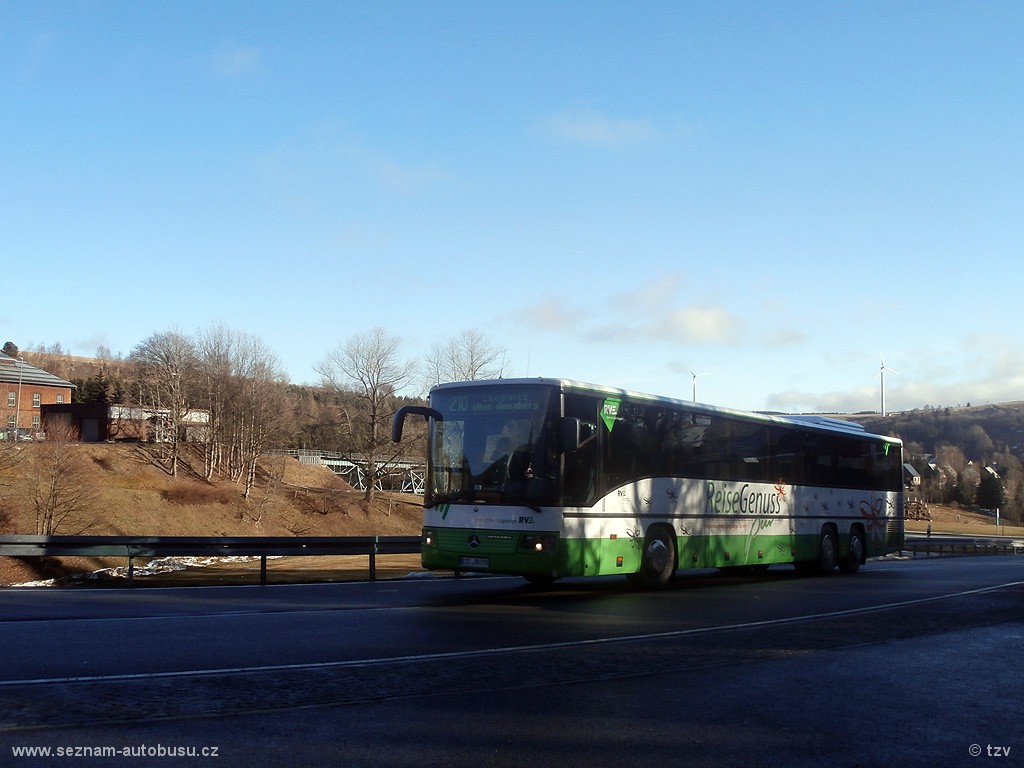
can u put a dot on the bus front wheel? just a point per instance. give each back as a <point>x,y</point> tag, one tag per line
<point>658,563</point>
<point>828,550</point>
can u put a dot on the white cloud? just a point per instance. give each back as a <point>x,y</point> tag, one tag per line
<point>406,179</point>
<point>655,294</point>
<point>650,313</point>
<point>653,313</point>
<point>389,173</point>
<point>599,130</point>
<point>549,314</point>
<point>330,157</point>
<point>235,60</point>
<point>699,325</point>
<point>783,337</point>
<point>998,381</point>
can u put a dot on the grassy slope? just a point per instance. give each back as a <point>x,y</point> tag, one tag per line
<point>946,519</point>
<point>136,496</point>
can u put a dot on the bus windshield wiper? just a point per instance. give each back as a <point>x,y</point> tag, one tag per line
<point>448,498</point>
<point>516,499</point>
<point>510,497</point>
<point>483,497</point>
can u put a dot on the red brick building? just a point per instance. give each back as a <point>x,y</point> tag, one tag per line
<point>24,390</point>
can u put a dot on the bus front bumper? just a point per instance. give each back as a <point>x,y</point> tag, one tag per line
<point>520,553</point>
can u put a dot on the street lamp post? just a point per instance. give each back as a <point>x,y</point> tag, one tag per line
<point>17,406</point>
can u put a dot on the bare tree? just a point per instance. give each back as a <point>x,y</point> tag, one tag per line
<point>216,351</point>
<point>369,366</point>
<point>261,411</point>
<point>243,388</point>
<point>466,357</point>
<point>275,468</point>
<point>10,454</point>
<point>167,364</point>
<point>62,491</point>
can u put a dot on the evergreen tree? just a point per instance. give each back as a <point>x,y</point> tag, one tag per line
<point>991,494</point>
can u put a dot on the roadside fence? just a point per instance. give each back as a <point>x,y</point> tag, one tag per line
<point>263,547</point>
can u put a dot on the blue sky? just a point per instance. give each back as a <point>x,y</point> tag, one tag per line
<point>773,195</point>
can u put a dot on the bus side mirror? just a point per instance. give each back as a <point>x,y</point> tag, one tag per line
<point>570,434</point>
<point>399,421</point>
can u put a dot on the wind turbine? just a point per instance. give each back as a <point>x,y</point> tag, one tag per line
<point>695,375</point>
<point>881,377</point>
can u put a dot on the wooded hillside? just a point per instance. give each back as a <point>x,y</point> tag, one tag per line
<point>971,454</point>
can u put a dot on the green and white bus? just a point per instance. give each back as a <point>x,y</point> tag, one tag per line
<point>549,478</point>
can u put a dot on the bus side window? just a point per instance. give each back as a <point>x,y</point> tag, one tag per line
<point>790,458</point>
<point>622,459</point>
<point>854,464</point>
<point>752,445</point>
<point>886,467</point>
<point>582,464</point>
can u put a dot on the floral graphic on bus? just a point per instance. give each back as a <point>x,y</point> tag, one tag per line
<point>874,518</point>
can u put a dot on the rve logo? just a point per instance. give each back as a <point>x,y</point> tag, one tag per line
<point>526,520</point>
<point>610,412</point>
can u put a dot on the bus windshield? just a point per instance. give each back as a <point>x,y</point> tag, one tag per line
<point>494,444</point>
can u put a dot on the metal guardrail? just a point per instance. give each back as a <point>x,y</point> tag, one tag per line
<point>298,546</point>
<point>963,548</point>
<point>216,546</point>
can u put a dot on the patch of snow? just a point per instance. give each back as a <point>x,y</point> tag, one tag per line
<point>152,568</point>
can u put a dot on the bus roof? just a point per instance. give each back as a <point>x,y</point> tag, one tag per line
<point>797,420</point>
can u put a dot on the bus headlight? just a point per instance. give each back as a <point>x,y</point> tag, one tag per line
<point>429,537</point>
<point>532,542</point>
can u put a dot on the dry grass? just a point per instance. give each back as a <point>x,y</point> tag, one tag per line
<point>186,493</point>
<point>138,497</point>
<point>954,520</point>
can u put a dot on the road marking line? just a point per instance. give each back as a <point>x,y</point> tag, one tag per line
<point>483,652</point>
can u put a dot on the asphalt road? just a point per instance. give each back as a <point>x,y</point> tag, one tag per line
<point>905,663</point>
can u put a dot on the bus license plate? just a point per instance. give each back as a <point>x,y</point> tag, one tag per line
<point>474,562</point>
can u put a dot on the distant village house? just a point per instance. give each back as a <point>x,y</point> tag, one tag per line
<point>24,392</point>
<point>95,422</point>
<point>35,400</point>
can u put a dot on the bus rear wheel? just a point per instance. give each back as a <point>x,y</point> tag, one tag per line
<point>658,563</point>
<point>855,556</point>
